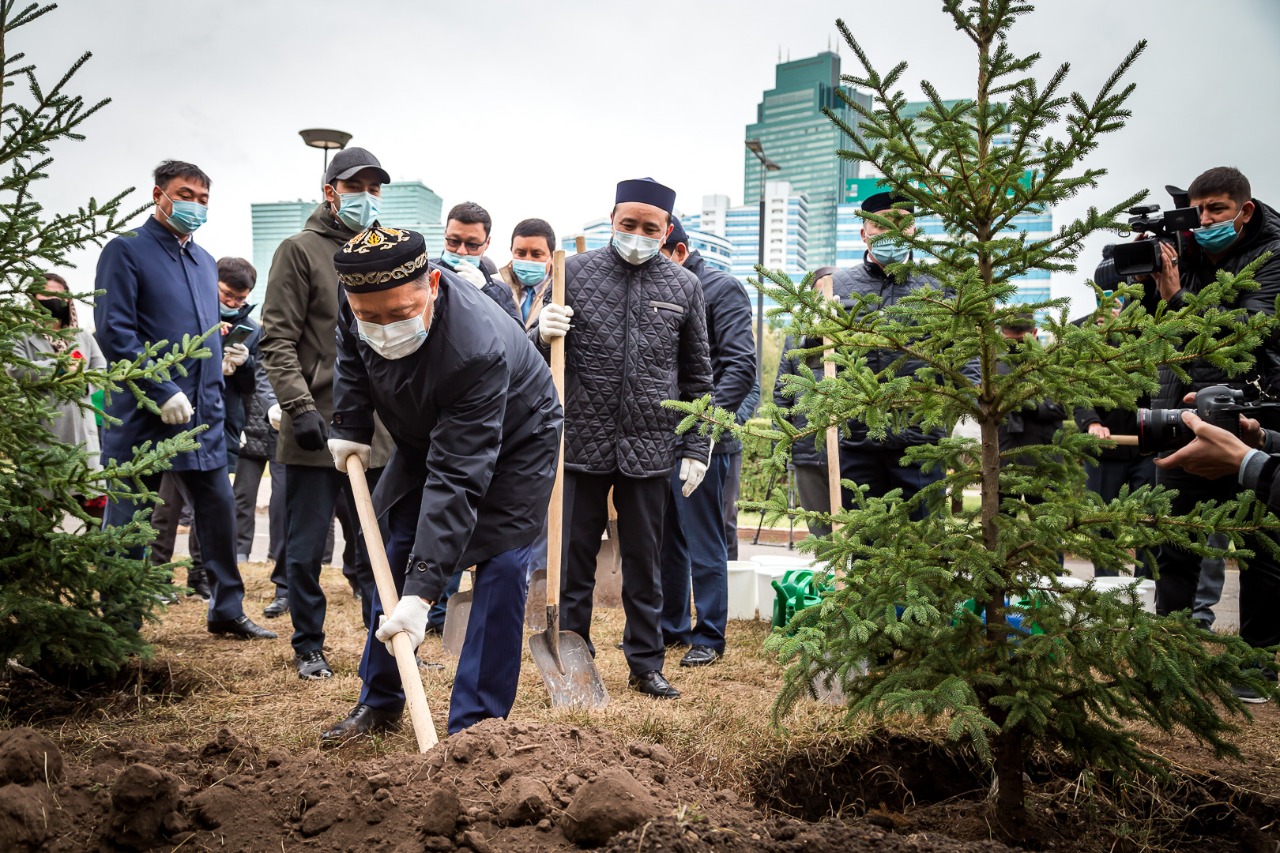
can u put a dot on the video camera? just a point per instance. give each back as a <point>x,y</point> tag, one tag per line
<point>1162,429</point>
<point>1122,261</point>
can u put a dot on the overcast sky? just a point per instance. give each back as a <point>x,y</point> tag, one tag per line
<point>538,109</point>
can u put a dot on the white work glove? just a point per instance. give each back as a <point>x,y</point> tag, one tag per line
<point>232,357</point>
<point>553,321</point>
<point>273,416</point>
<point>410,616</point>
<point>342,449</point>
<point>176,410</point>
<point>691,473</point>
<point>472,274</point>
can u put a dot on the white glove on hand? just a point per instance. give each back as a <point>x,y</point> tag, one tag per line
<point>273,416</point>
<point>691,473</point>
<point>472,274</point>
<point>410,616</point>
<point>342,449</point>
<point>176,410</point>
<point>232,357</point>
<point>553,321</point>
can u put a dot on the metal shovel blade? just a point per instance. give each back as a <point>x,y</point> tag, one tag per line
<point>535,611</point>
<point>456,615</point>
<point>579,686</point>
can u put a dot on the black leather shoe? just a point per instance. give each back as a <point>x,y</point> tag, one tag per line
<point>279,606</point>
<point>361,721</point>
<point>242,628</point>
<point>700,656</point>
<point>653,684</point>
<point>198,584</point>
<point>312,666</point>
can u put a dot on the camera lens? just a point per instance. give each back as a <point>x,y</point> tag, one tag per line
<point>1162,429</point>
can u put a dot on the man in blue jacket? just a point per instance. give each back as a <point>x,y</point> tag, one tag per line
<point>159,285</point>
<point>694,549</point>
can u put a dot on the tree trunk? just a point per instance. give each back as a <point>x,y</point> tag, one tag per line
<point>1011,792</point>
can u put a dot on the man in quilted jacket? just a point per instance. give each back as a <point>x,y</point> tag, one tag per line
<point>639,337</point>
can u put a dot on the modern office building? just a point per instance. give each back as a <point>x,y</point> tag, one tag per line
<point>794,133</point>
<point>407,204</point>
<point>786,230</point>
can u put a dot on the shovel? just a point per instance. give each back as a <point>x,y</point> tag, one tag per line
<point>456,615</point>
<point>562,656</point>
<point>406,661</point>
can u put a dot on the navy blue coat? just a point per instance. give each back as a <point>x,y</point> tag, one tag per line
<point>733,353</point>
<point>157,289</point>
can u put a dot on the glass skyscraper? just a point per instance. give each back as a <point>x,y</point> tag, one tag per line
<point>795,134</point>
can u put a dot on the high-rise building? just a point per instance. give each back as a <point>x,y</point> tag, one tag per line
<point>794,133</point>
<point>405,204</point>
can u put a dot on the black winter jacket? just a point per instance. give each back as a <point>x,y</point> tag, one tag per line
<point>639,337</point>
<point>733,354</point>
<point>494,288</point>
<point>243,384</point>
<point>1261,234</point>
<point>476,426</point>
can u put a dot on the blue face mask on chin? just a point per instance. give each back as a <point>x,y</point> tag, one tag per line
<point>453,259</point>
<point>1218,236</point>
<point>227,313</point>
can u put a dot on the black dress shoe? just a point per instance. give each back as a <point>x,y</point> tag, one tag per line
<point>198,584</point>
<point>362,720</point>
<point>279,606</point>
<point>700,656</point>
<point>653,684</point>
<point>312,666</point>
<point>242,628</point>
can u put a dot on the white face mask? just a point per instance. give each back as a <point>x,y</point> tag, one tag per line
<point>635,248</point>
<point>394,340</point>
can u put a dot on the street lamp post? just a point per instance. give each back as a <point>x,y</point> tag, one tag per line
<point>766,166</point>
<point>325,139</point>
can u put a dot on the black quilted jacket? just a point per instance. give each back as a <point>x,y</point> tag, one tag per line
<point>638,337</point>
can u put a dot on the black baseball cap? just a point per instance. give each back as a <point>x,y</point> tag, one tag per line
<point>349,162</point>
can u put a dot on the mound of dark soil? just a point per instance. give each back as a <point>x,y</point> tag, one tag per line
<point>28,696</point>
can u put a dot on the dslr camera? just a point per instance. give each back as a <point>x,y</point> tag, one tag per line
<point>1122,261</point>
<point>1162,429</point>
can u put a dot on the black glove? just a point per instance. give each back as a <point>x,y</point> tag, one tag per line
<point>309,431</point>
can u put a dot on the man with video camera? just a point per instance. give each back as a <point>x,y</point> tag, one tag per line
<point>1235,229</point>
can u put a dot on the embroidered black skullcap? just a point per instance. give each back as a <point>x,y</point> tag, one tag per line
<point>646,191</point>
<point>886,201</point>
<point>380,258</point>
<point>677,236</point>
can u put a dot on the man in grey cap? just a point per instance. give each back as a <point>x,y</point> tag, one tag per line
<point>299,315</point>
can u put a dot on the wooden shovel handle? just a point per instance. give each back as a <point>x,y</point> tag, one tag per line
<point>555,511</point>
<point>833,432</point>
<point>424,728</point>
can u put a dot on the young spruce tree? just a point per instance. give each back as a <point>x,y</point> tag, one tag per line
<point>896,609</point>
<point>69,601</point>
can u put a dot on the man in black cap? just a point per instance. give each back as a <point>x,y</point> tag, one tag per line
<point>867,461</point>
<point>694,550</point>
<point>473,413</point>
<point>639,338</point>
<point>298,316</point>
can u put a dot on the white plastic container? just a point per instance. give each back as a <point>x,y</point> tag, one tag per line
<point>780,560</point>
<point>1146,589</point>
<point>742,589</point>
<point>765,593</point>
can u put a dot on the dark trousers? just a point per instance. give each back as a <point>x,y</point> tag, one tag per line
<point>248,478</point>
<point>1106,479</point>
<point>641,503</point>
<point>814,494</point>
<point>732,487</point>
<point>214,508</point>
<point>882,470</point>
<point>277,532</point>
<point>489,666</point>
<point>1180,570</point>
<point>694,554</point>
<point>310,496</point>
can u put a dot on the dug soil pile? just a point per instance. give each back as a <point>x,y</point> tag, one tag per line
<point>498,787</point>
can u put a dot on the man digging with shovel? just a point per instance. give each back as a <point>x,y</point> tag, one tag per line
<point>475,419</point>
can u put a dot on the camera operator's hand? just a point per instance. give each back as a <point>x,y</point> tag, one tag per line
<point>1251,432</point>
<point>1097,430</point>
<point>1213,453</point>
<point>1167,279</point>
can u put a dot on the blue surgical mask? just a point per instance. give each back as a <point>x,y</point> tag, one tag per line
<point>394,340</point>
<point>1218,236</point>
<point>453,259</point>
<point>358,210</point>
<point>227,313</point>
<point>529,272</point>
<point>635,249</point>
<point>890,251</point>
<point>187,216</point>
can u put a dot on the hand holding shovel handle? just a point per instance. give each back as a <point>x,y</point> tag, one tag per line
<point>555,511</point>
<point>406,662</point>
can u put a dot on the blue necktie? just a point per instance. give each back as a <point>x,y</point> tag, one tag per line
<point>527,306</point>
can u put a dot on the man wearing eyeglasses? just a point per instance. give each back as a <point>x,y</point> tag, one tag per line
<point>466,236</point>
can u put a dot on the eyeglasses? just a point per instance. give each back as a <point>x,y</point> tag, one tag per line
<point>452,244</point>
<point>232,300</point>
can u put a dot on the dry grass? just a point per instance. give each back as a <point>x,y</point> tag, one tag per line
<point>720,728</point>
